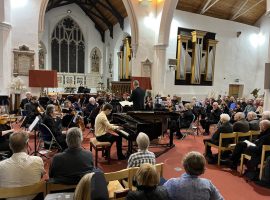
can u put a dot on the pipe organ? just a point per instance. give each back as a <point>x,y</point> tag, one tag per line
<point>195,57</point>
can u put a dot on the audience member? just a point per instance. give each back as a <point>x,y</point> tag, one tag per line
<point>253,121</point>
<point>212,119</point>
<point>143,155</point>
<point>253,149</point>
<point>92,186</point>
<point>147,180</point>
<point>70,166</point>
<point>225,127</point>
<point>189,185</point>
<point>241,124</point>
<point>20,169</point>
<point>266,115</point>
<point>102,126</point>
<point>250,107</point>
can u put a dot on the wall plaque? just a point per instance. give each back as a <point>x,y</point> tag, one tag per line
<point>23,60</point>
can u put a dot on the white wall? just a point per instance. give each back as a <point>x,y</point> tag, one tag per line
<point>235,56</point>
<point>90,33</point>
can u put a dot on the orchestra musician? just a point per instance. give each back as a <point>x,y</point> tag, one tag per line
<point>102,125</point>
<point>32,109</point>
<point>54,100</point>
<point>54,124</point>
<point>148,101</point>
<point>26,100</point>
<point>88,109</point>
<point>69,115</point>
<point>4,139</point>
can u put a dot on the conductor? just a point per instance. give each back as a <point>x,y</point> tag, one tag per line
<point>137,96</point>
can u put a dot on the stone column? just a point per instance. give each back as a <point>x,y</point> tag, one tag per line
<point>266,105</point>
<point>5,48</point>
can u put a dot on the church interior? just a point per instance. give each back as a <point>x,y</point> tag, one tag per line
<point>144,85</point>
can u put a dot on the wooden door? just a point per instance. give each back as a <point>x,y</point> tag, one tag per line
<point>235,90</point>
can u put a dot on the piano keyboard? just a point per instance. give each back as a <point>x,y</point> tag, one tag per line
<point>126,134</point>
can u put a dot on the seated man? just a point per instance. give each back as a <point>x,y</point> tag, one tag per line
<point>102,126</point>
<point>88,109</point>
<point>266,115</point>
<point>253,121</point>
<point>26,100</point>
<point>225,127</point>
<point>212,119</point>
<point>21,169</point>
<point>143,155</point>
<point>253,149</point>
<point>240,124</point>
<point>189,185</point>
<point>71,165</point>
<point>54,124</point>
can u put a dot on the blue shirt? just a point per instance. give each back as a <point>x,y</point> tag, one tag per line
<point>189,187</point>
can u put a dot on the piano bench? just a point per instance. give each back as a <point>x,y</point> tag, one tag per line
<point>100,146</point>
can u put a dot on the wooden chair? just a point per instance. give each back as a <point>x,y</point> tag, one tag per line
<point>121,195</point>
<point>133,170</point>
<point>219,146</point>
<point>248,157</point>
<point>34,189</point>
<point>254,134</point>
<point>100,146</point>
<point>243,135</point>
<point>56,187</point>
<point>113,179</point>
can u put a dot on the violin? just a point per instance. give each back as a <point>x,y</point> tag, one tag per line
<point>3,120</point>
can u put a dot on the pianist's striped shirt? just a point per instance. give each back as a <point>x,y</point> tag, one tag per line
<point>136,159</point>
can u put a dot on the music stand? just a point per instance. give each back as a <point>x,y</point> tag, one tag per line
<point>31,128</point>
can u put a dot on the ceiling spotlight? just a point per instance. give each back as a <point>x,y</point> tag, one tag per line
<point>69,11</point>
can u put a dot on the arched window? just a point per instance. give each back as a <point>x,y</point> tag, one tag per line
<point>67,44</point>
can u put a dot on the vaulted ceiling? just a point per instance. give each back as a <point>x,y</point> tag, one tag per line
<point>106,13</point>
<point>243,11</point>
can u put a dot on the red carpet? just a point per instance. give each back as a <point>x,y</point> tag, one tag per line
<point>229,183</point>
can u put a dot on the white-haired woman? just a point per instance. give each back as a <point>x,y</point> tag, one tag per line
<point>143,155</point>
<point>225,127</point>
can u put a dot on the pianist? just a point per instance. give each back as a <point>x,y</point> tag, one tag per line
<point>102,126</point>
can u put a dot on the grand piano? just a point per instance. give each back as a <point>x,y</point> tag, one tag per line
<point>150,122</point>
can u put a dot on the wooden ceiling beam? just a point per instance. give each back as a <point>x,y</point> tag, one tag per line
<point>114,11</point>
<point>208,5</point>
<point>248,9</point>
<point>100,30</point>
<point>243,4</point>
<point>101,16</point>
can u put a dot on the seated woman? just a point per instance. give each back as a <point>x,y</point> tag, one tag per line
<point>54,124</point>
<point>189,185</point>
<point>92,186</point>
<point>147,180</point>
<point>143,155</point>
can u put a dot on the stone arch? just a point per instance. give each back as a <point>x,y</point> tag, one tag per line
<point>133,25</point>
<point>165,22</point>
<point>42,12</point>
<point>95,67</point>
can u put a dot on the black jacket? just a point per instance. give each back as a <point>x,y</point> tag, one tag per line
<point>241,126</point>
<point>71,165</point>
<point>153,193</point>
<point>224,128</point>
<point>137,97</point>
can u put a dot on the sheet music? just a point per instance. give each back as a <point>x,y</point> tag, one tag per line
<point>34,123</point>
<point>126,103</point>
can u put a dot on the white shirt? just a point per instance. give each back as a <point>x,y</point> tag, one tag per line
<point>21,170</point>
